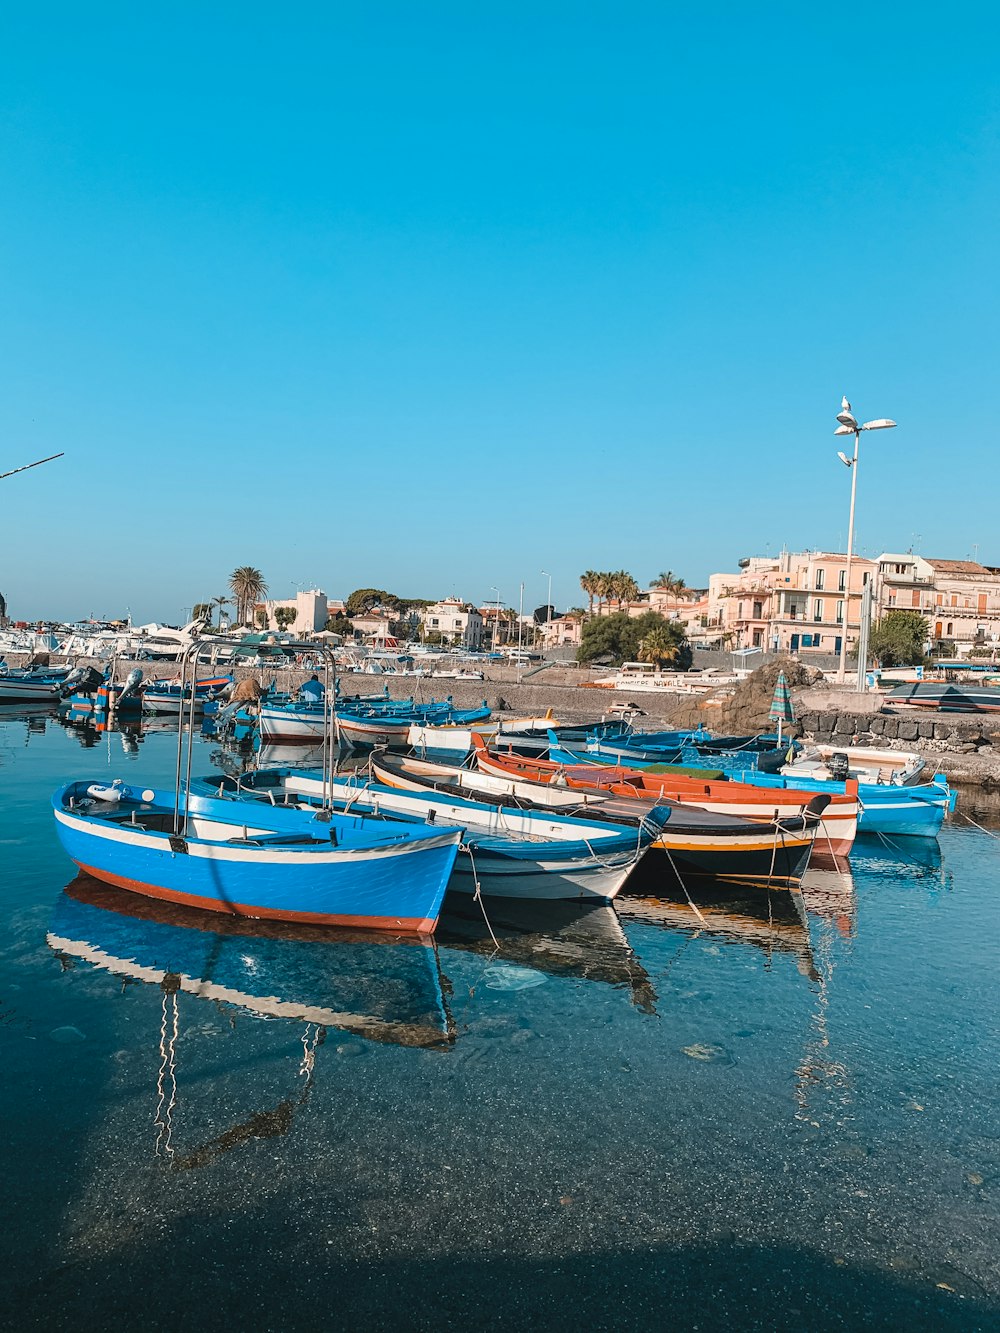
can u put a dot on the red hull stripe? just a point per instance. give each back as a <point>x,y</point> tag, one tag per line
<point>420,925</point>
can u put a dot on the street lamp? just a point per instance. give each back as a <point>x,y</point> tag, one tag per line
<point>849,425</point>
<point>548,606</point>
<point>496,617</point>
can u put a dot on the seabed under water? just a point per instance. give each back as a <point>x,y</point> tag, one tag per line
<point>631,1118</point>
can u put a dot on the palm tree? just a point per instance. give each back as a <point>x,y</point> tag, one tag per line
<point>604,590</point>
<point>669,582</point>
<point>659,646</point>
<point>626,588</point>
<point>248,587</point>
<point>220,602</point>
<point>588,582</point>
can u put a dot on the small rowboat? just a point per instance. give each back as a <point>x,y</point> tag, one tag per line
<point>246,859</point>
<point>694,842</point>
<point>834,837</point>
<point>512,853</point>
<point>169,696</point>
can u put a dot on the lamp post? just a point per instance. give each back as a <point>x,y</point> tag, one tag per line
<point>496,617</point>
<point>849,425</point>
<point>520,633</point>
<point>548,607</point>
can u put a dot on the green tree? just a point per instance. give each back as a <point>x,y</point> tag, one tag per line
<point>202,611</point>
<point>898,639</point>
<point>618,638</point>
<point>248,587</point>
<point>285,616</point>
<point>220,602</point>
<point>660,646</point>
<point>340,624</point>
<point>362,600</point>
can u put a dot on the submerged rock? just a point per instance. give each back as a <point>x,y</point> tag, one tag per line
<point>506,976</point>
<point>66,1035</point>
<point>708,1052</point>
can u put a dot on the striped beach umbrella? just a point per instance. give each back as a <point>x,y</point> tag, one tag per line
<point>781,704</point>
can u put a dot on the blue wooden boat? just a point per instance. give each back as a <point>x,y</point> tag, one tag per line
<point>169,696</point>
<point>915,811</point>
<point>247,860</point>
<point>373,727</point>
<point>512,853</point>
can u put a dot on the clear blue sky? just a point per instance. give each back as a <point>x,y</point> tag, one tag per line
<point>434,297</point>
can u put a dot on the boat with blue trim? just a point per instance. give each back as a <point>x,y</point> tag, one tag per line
<point>245,859</point>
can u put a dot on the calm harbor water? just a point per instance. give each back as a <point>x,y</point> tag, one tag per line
<point>632,1118</point>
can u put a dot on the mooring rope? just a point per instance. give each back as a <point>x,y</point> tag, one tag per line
<point>478,894</point>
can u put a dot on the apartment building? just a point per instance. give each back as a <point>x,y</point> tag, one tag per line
<point>795,602</point>
<point>960,598</point>
<point>456,621</point>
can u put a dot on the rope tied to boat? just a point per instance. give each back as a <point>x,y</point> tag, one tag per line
<point>478,891</point>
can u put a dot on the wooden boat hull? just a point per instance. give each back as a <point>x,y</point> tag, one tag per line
<point>693,842</point>
<point>916,812</point>
<point>265,871</point>
<point>834,836</point>
<point>512,853</point>
<point>291,726</point>
<point>14,691</point>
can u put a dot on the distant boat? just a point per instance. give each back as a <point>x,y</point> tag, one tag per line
<point>169,696</point>
<point>947,696</point>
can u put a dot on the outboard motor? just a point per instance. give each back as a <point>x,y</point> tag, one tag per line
<point>132,682</point>
<point>81,680</point>
<point>839,766</point>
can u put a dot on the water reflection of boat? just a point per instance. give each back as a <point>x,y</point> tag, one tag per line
<point>829,893</point>
<point>876,853</point>
<point>561,938</point>
<point>381,988</point>
<point>386,989</point>
<point>33,715</point>
<point>777,927</point>
<point>302,756</point>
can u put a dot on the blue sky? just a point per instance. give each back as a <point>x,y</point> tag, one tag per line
<point>433,298</point>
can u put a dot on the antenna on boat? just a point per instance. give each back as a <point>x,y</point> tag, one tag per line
<point>38,463</point>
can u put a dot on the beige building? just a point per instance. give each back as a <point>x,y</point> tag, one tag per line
<point>456,621</point>
<point>562,631</point>
<point>311,612</point>
<point>959,598</point>
<point>796,602</point>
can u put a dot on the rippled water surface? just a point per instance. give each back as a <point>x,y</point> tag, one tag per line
<point>648,1117</point>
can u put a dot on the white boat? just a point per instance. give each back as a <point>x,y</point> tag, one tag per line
<point>645,676</point>
<point>459,741</point>
<point>897,768</point>
<point>510,853</point>
<point>28,689</point>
